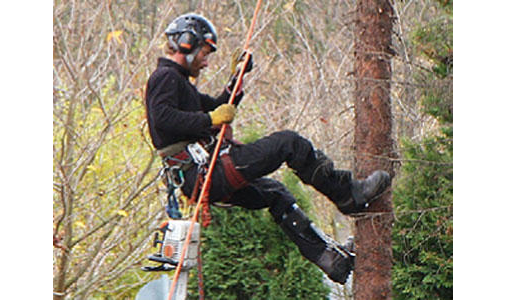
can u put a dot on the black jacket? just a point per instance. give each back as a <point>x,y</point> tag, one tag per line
<point>176,111</point>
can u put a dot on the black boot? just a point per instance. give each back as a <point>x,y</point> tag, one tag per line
<point>335,260</point>
<point>349,195</point>
<point>364,192</point>
<point>320,173</point>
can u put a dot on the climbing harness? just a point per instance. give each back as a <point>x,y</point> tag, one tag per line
<point>173,167</point>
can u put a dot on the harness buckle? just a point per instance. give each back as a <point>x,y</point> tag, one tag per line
<point>198,153</point>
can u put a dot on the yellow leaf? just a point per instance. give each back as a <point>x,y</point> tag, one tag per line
<point>114,34</point>
<point>80,224</point>
<point>228,29</point>
<point>123,213</point>
<point>289,6</point>
<point>96,110</point>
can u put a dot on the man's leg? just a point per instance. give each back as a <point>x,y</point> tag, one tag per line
<point>335,260</point>
<point>349,195</point>
<point>266,155</point>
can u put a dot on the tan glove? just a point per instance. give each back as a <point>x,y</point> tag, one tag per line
<point>237,59</point>
<point>223,114</point>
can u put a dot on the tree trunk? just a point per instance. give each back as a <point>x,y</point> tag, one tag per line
<point>373,145</point>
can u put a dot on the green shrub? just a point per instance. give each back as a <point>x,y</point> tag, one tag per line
<point>422,235</point>
<point>247,256</point>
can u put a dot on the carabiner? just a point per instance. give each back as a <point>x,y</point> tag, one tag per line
<point>176,176</point>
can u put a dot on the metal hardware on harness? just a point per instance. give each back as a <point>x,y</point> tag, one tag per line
<point>210,144</point>
<point>198,153</point>
<point>174,180</point>
<point>225,150</point>
<point>176,177</point>
<point>177,160</point>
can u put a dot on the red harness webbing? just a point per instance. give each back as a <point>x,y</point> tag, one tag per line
<point>234,177</point>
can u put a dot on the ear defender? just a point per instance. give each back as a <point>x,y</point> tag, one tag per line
<point>187,42</point>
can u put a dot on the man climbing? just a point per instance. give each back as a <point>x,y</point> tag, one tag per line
<point>179,116</point>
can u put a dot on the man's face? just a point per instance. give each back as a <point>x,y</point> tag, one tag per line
<point>200,61</point>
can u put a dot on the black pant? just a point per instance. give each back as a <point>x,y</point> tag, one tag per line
<point>266,155</point>
<point>256,160</point>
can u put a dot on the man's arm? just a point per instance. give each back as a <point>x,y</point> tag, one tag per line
<point>163,109</point>
<point>209,103</point>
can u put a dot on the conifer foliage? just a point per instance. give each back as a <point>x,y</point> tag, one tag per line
<point>423,231</point>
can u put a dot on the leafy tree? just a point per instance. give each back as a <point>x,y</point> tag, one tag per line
<point>103,168</point>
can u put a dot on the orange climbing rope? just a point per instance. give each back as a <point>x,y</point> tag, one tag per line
<point>203,196</point>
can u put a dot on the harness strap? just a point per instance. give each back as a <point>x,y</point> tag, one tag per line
<point>234,177</point>
<point>181,157</point>
<point>176,154</point>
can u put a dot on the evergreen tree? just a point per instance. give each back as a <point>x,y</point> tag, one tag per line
<point>423,231</point>
<point>247,256</point>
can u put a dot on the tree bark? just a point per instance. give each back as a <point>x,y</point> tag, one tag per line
<point>373,145</point>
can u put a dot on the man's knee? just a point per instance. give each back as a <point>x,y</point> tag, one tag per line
<point>297,148</point>
<point>288,136</point>
<point>280,199</point>
<point>279,207</point>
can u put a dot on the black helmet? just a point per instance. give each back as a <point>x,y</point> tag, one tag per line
<point>190,30</point>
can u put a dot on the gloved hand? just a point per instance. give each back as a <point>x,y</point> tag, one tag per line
<point>237,60</point>
<point>249,63</point>
<point>223,114</point>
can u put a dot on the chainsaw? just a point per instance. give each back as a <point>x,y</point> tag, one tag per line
<point>174,233</point>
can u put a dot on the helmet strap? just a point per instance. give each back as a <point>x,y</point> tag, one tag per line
<point>190,57</point>
<point>173,44</point>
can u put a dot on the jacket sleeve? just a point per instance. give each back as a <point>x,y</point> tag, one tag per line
<point>209,103</point>
<point>165,113</point>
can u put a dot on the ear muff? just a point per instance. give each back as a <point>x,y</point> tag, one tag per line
<point>187,42</point>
